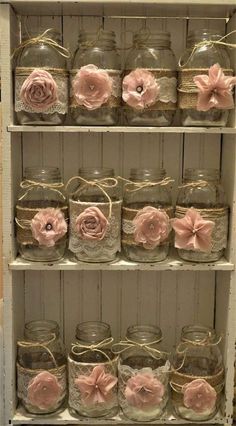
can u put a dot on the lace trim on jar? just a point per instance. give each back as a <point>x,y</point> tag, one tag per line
<point>93,250</point>
<point>77,400</point>
<point>30,382</point>
<point>59,79</point>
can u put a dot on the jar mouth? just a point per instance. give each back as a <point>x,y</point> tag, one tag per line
<point>96,172</point>
<point>158,38</point>
<point>96,38</point>
<point>192,174</point>
<point>41,329</point>
<point>201,35</point>
<point>144,333</point>
<point>143,175</point>
<point>198,333</point>
<point>42,174</point>
<point>92,332</point>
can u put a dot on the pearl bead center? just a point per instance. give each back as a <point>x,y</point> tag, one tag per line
<point>48,226</point>
<point>139,89</point>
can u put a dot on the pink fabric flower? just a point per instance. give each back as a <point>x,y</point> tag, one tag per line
<point>192,232</point>
<point>48,226</point>
<point>144,391</point>
<point>199,396</point>
<point>97,387</point>
<point>215,89</point>
<point>152,226</point>
<point>140,89</point>
<point>39,90</point>
<point>91,224</point>
<point>92,87</point>
<point>44,391</point>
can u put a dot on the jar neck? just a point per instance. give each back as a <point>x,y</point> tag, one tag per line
<point>101,39</point>
<point>157,40</point>
<point>144,334</point>
<point>198,36</point>
<point>208,175</point>
<point>147,175</point>
<point>92,332</point>
<point>52,34</point>
<point>46,174</point>
<point>96,173</point>
<point>41,331</point>
<point>198,333</point>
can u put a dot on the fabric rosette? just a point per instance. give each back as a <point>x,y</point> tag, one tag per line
<point>48,226</point>
<point>140,89</point>
<point>91,224</point>
<point>152,227</point>
<point>39,90</point>
<point>144,391</point>
<point>199,396</point>
<point>44,391</point>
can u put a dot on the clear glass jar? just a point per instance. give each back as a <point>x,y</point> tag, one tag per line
<point>95,216</point>
<point>41,82</point>
<point>93,371</point>
<point>41,368</point>
<point>96,80</point>
<point>197,379</point>
<point>143,374</point>
<point>202,191</point>
<point>151,68</point>
<point>42,215</point>
<point>197,61</point>
<point>147,207</point>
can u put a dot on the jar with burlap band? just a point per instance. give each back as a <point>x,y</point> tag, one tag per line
<point>95,215</point>
<point>150,79</point>
<point>197,376</point>
<point>201,216</point>
<point>95,80</point>
<point>146,212</point>
<point>93,371</point>
<point>41,80</point>
<point>42,215</point>
<point>205,81</point>
<point>143,370</point>
<point>41,368</point>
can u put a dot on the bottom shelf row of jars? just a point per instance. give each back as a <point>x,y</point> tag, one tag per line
<point>134,374</point>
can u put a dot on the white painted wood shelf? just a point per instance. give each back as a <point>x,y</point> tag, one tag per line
<point>172,263</point>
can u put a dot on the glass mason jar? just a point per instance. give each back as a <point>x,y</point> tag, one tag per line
<point>93,371</point>
<point>95,216</point>
<point>41,81</point>
<point>146,212</point>
<point>201,205</point>
<point>197,379</point>
<point>143,374</point>
<point>150,72</point>
<point>41,368</point>
<point>42,215</point>
<point>96,80</point>
<point>198,109</point>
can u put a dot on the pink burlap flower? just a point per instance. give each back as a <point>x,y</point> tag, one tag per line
<point>144,391</point>
<point>152,226</point>
<point>192,232</point>
<point>39,90</point>
<point>199,396</point>
<point>97,387</point>
<point>140,89</point>
<point>92,87</point>
<point>214,89</point>
<point>48,226</point>
<point>44,391</point>
<point>91,224</point>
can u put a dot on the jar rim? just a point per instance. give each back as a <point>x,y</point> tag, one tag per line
<point>43,328</point>
<point>144,333</point>
<point>96,172</point>
<point>45,174</point>
<point>88,331</point>
<point>199,330</point>
<point>202,174</point>
<point>143,175</point>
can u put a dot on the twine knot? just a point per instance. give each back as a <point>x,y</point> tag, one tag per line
<point>132,186</point>
<point>31,184</point>
<point>44,345</point>
<point>81,349</point>
<point>124,345</point>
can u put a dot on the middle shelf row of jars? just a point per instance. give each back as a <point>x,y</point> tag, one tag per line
<point>100,220</point>
<point>135,373</point>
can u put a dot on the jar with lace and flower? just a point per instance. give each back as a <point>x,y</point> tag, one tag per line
<point>93,371</point>
<point>41,80</point>
<point>41,368</point>
<point>197,377</point>
<point>147,209</point>
<point>201,217</point>
<point>95,215</point>
<point>205,80</point>
<point>149,88</point>
<point>96,80</point>
<point>143,373</point>
<point>41,215</point>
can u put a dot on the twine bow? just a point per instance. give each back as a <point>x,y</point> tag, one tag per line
<point>203,43</point>
<point>44,345</point>
<point>137,186</point>
<point>42,38</point>
<point>199,183</point>
<point>31,184</point>
<point>101,184</point>
<point>80,349</point>
<point>147,347</point>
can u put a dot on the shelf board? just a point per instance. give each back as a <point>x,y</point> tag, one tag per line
<point>172,263</point>
<point>121,129</point>
<point>65,417</point>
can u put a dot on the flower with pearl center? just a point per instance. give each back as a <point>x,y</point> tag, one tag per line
<point>44,391</point>
<point>144,391</point>
<point>199,396</point>
<point>48,226</point>
<point>151,227</point>
<point>140,89</point>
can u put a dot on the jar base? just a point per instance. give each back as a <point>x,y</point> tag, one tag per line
<point>40,119</point>
<point>140,416</point>
<point>97,260</point>
<point>140,254</point>
<point>193,256</point>
<point>96,413</point>
<point>37,254</point>
<point>37,413</point>
<point>149,118</point>
<point>212,118</point>
<point>98,117</point>
<point>187,414</point>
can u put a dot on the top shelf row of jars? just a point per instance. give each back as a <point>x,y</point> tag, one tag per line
<point>146,93</point>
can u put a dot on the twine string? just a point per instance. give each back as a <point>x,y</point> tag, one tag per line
<point>131,186</point>
<point>124,345</point>
<point>211,43</point>
<point>43,345</point>
<point>101,184</point>
<point>81,349</point>
<point>199,183</point>
<point>42,38</point>
<point>29,185</point>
